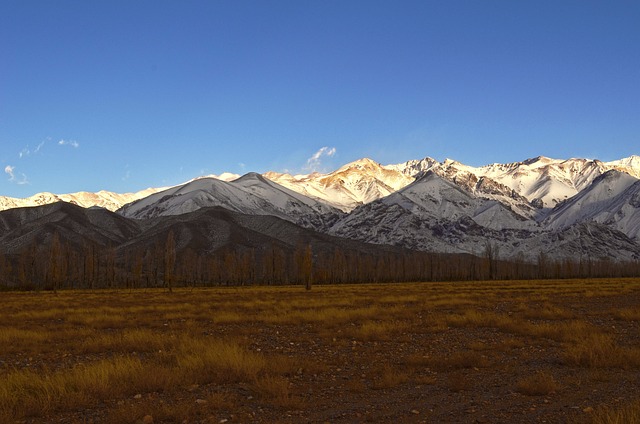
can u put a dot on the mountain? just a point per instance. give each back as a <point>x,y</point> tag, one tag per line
<point>103,199</point>
<point>543,181</point>
<point>531,187</point>
<point>65,246</point>
<point>571,208</point>
<point>23,228</point>
<point>613,200</point>
<point>354,184</point>
<point>434,214</point>
<point>251,194</point>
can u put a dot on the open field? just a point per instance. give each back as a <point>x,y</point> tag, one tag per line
<point>487,352</point>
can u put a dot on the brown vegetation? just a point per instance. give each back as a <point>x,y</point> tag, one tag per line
<point>520,351</point>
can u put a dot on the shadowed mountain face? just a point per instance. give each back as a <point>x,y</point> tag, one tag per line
<point>23,228</point>
<point>203,230</point>
<point>64,245</point>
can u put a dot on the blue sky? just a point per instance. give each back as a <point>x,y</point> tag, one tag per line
<point>123,95</point>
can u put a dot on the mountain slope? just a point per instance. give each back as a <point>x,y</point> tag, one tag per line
<point>32,227</point>
<point>353,184</point>
<point>104,199</point>
<point>613,199</point>
<point>250,194</point>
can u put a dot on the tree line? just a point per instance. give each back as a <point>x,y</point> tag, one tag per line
<point>59,265</point>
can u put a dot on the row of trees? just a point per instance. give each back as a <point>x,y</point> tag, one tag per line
<point>61,266</point>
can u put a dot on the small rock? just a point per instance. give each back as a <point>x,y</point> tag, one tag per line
<point>415,412</point>
<point>148,419</point>
<point>138,396</point>
<point>201,401</point>
<point>222,421</point>
<point>588,410</point>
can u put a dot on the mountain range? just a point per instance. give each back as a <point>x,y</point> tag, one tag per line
<point>574,209</point>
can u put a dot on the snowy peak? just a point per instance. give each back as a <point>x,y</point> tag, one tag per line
<point>104,199</point>
<point>250,194</point>
<point>351,185</point>
<point>630,165</point>
<point>414,168</point>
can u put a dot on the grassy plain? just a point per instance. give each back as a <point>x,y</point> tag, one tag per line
<point>517,351</point>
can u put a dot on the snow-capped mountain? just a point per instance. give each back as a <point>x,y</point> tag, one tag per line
<point>531,187</point>
<point>251,194</point>
<point>435,214</point>
<point>613,200</point>
<point>543,181</point>
<point>104,199</point>
<point>567,208</point>
<point>354,184</point>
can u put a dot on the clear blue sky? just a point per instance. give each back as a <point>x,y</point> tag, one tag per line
<point>123,95</point>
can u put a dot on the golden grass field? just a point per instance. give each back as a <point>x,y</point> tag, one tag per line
<point>492,352</point>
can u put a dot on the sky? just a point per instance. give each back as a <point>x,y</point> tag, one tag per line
<point>124,95</point>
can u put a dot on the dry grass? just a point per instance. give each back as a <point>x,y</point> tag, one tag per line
<point>541,383</point>
<point>629,414</point>
<point>599,350</point>
<point>388,377</point>
<point>275,348</point>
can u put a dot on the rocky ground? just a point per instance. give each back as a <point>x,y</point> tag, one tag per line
<point>426,365</point>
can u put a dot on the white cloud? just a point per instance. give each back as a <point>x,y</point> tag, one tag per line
<point>71,143</point>
<point>10,171</point>
<point>315,161</point>
<point>28,152</point>
<point>40,146</point>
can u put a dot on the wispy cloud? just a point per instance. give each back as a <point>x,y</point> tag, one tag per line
<point>28,152</point>
<point>11,172</point>
<point>315,161</point>
<point>71,143</point>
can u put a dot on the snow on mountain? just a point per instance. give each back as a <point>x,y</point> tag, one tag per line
<point>435,214</point>
<point>413,168</point>
<point>630,165</point>
<point>354,184</point>
<point>542,181</point>
<point>613,199</point>
<point>250,194</point>
<point>561,207</point>
<point>104,199</point>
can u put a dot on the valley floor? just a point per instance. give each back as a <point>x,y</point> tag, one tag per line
<point>468,352</point>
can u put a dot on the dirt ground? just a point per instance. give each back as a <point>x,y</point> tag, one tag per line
<point>471,354</point>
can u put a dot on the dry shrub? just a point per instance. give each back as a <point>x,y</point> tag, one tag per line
<point>629,414</point>
<point>600,351</point>
<point>540,384</point>
<point>218,361</point>
<point>387,377</point>
<point>26,393</point>
<point>627,314</point>
<point>276,391</point>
